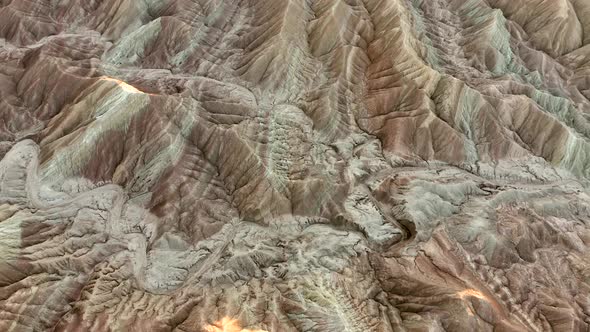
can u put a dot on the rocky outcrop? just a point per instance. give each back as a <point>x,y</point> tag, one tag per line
<point>291,165</point>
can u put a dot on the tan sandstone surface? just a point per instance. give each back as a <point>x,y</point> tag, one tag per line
<point>294,165</point>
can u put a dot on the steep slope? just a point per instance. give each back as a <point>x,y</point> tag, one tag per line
<point>294,165</point>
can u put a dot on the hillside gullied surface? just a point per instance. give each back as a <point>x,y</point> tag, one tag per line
<point>294,165</point>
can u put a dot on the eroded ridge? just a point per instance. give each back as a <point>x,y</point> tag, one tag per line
<point>292,165</point>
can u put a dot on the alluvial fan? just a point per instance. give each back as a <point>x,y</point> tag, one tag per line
<point>294,165</point>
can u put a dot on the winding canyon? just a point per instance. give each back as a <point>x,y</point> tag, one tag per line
<point>294,165</point>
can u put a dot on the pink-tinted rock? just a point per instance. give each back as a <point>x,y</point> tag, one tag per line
<point>290,165</point>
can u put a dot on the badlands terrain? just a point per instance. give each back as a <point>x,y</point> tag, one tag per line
<point>294,165</point>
